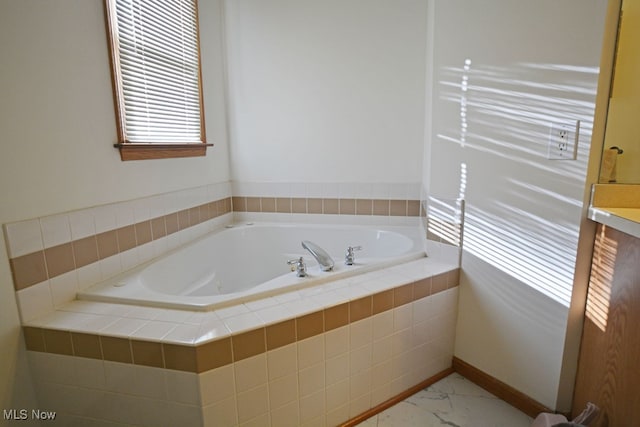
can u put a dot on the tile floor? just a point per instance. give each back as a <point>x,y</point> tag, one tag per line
<point>453,401</point>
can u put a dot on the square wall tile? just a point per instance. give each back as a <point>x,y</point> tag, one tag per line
<point>104,218</point>
<point>52,368</point>
<point>119,376</point>
<point>337,394</point>
<point>314,206</point>
<point>217,385</point>
<point>347,206</point>
<point>59,259</point>
<point>336,316</point>
<point>310,325</point>
<point>180,357</point>
<point>107,243</point>
<point>381,207</point>
<point>116,349</point>
<point>338,416</point>
<point>402,341</point>
<point>86,346</point>
<point>63,288</point>
<point>250,372</point>
<point>337,368</point>
<point>55,230</point>
<point>422,333</point>
<point>85,251</point>
<point>312,406</point>
<point>286,416</point>
<point>402,317</point>
<point>382,374</point>
<point>23,237</point>
<point>222,413</point>
<point>34,338</point>
<point>299,205</point>
<point>347,190</point>
<point>360,308</point>
<point>401,366</point>
<point>311,379</point>
<point>34,301</point>
<point>360,359</point>
<point>330,206</point>
<point>422,310</point>
<point>149,382</point>
<point>29,269</point>
<point>147,353</point>
<point>382,301</point>
<point>252,403</point>
<point>248,344</point>
<point>381,191</point>
<point>283,390</point>
<point>360,333</point>
<point>336,342</point>
<point>330,190</point>
<point>381,394</point>
<point>280,334</point>
<point>214,354</point>
<point>282,361</point>
<point>398,190</point>
<point>364,207</point>
<point>359,405</point>
<point>360,384</point>
<point>310,351</point>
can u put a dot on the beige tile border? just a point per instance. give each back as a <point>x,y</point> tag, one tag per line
<point>329,206</point>
<point>221,352</point>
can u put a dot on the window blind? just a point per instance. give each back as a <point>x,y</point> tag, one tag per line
<point>157,68</point>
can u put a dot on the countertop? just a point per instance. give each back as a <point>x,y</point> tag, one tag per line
<point>626,220</point>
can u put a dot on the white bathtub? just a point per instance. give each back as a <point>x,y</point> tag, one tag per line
<point>249,261</point>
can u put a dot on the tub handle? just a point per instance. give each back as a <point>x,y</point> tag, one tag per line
<point>349,257</point>
<point>300,267</point>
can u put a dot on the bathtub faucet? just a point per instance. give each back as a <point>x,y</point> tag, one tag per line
<point>300,266</point>
<point>349,257</point>
<point>323,258</point>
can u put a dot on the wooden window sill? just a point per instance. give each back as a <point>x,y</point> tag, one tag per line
<point>130,151</point>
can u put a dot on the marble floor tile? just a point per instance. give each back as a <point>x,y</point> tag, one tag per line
<point>453,401</point>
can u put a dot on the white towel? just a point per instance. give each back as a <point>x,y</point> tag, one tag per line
<point>608,168</point>
<point>548,420</point>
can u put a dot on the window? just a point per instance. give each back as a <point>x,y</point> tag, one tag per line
<point>155,58</point>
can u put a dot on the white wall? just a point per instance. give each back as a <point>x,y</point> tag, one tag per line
<point>326,91</point>
<point>58,129</point>
<point>528,64</point>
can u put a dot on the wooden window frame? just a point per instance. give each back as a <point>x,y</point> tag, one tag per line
<point>149,150</point>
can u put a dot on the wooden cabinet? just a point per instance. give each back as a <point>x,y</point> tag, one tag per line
<point>609,363</point>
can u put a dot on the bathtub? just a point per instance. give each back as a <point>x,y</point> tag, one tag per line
<point>248,261</point>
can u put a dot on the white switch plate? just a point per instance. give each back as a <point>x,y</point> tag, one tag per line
<point>563,140</point>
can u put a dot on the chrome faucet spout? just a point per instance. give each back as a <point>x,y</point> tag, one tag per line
<point>323,258</point>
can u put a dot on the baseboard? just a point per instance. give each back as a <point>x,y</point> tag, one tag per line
<point>501,390</point>
<point>398,398</point>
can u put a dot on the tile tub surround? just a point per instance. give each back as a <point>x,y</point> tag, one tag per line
<point>53,257</point>
<point>321,365</point>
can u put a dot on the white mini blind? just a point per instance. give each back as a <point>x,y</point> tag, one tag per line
<point>157,70</point>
